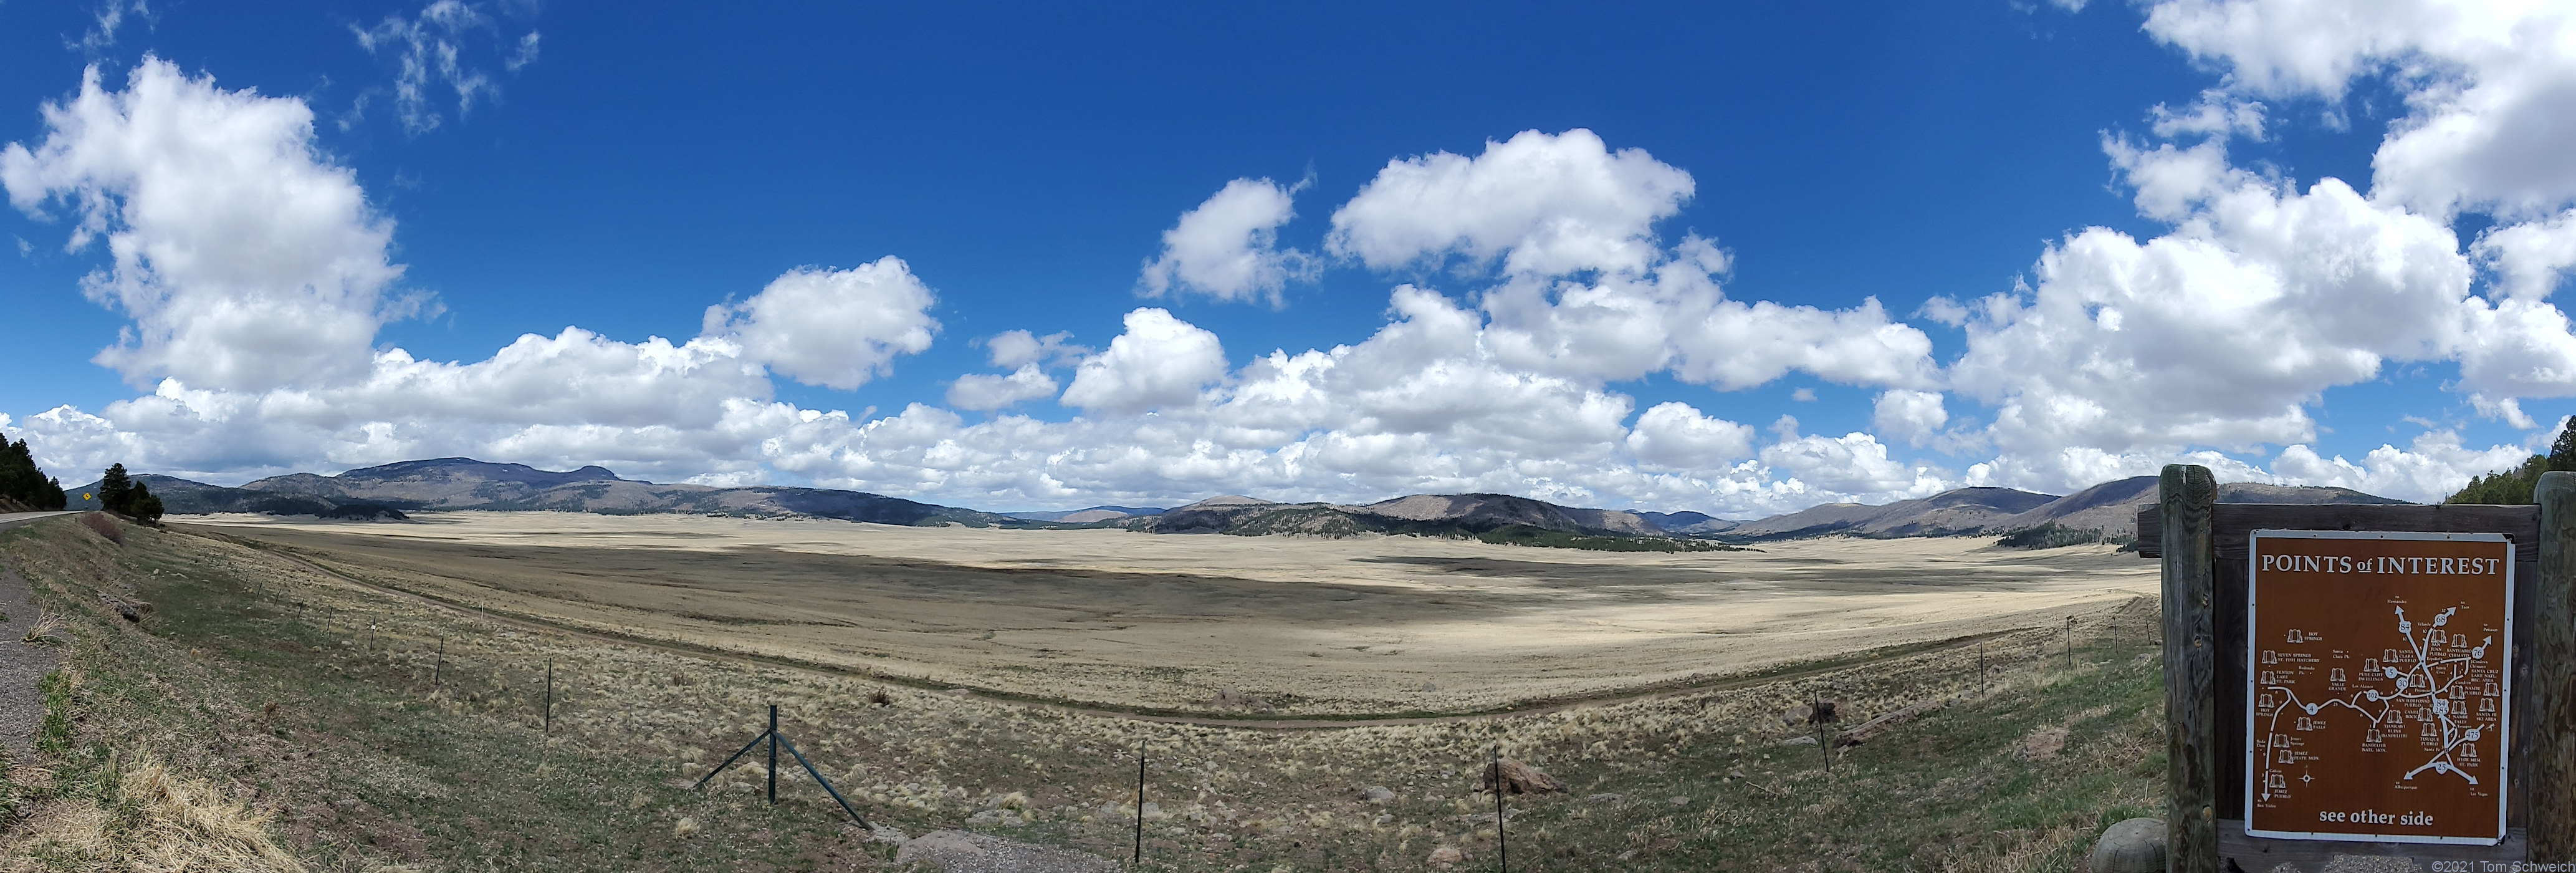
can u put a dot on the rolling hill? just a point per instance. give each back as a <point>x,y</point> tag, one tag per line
<point>1958,511</point>
<point>2111,508</point>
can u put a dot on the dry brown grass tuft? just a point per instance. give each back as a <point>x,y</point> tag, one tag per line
<point>153,821</point>
<point>105,526</point>
<point>2045,851</point>
<point>41,633</point>
<point>2043,744</point>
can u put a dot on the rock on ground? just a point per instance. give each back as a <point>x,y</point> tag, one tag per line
<point>964,852</point>
<point>1518,778</point>
<point>2133,846</point>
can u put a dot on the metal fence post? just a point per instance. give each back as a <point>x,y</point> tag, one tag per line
<point>773,752</point>
<point>1502,844</point>
<point>1140,801</point>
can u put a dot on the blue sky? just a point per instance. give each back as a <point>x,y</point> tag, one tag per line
<point>622,169</point>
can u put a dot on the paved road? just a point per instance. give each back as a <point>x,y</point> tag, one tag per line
<point>13,519</point>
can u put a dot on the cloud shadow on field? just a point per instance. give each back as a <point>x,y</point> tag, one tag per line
<point>761,584</point>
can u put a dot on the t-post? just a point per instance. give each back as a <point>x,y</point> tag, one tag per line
<point>1140,801</point>
<point>1502,846</point>
<point>1816,720</point>
<point>775,740</point>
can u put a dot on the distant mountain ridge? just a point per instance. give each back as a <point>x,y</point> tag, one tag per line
<point>448,484</point>
<point>2111,508</point>
<point>1688,523</point>
<point>1949,513</point>
<point>1427,514</point>
<point>188,497</point>
<point>390,491</point>
<point>1088,515</point>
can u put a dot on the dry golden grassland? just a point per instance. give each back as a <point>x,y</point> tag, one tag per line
<point>360,729</point>
<point>1311,627</point>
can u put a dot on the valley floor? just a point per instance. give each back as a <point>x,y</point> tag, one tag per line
<point>1311,628</point>
<point>271,694</point>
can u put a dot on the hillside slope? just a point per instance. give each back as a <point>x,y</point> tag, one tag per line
<point>1958,511</point>
<point>2112,507</point>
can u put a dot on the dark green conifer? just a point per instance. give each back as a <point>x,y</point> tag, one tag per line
<point>115,490</point>
<point>143,505</point>
<point>2514,486</point>
<point>22,483</point>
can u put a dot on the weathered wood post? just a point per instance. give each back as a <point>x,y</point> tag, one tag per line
<point>2551,735</point>
<point>2191,745</point>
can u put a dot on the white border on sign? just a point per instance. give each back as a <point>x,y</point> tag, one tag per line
<point>2504,719</point>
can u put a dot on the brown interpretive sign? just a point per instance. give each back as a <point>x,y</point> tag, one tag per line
<point>2378,689</point>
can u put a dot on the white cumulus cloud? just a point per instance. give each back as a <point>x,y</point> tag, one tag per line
<point>984,391</point>
<point>1228,247</point>
<point>1159,362</point>
<point>1543,204</point>
<point>1014,348</point>
<point>1913,416</point>
<point>834,328</point>
<point>245,258</point>
<point>2488,84</point>
<point>1676,436</point>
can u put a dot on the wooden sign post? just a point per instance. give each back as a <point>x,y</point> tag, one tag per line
<point>2245,795</point>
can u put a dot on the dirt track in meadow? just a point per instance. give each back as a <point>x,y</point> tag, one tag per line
<point>1325,631</point>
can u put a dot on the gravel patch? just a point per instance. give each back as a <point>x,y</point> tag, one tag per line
<point>965,852</point>
<point>21,707</point>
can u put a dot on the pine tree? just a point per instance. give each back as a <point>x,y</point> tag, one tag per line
<point>21,482</point>
<point>143,505</point>
<point>2514,486</point>
<point>115,490</point>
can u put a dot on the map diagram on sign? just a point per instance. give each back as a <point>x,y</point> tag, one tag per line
<point>2422,684</point>
<point>2377,691</point>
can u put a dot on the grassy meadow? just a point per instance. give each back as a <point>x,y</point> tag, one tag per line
<point>280,712</point>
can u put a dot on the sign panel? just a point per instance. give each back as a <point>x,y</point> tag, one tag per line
<point>2378,696</point>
